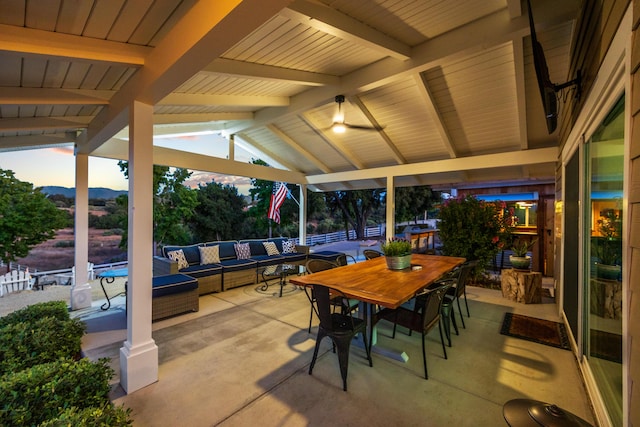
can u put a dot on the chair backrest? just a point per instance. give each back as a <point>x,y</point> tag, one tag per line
<point>315,265</point>
<point>432,306</point>
<point>370,253</point>
<point>343,259</point>
<point>463,275</point>
<point>323,306</point>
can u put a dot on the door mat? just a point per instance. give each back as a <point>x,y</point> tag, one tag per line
<point>541,331</point>
<point>605,345</point>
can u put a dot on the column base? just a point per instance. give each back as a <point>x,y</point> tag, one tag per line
<point>80,297</point>
<point>138,366</point>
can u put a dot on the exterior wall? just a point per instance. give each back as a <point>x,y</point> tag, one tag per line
<point>596,26</point>
<point>633,331</point>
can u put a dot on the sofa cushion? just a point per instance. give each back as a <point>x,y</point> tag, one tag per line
<point>255,246</point>
<point>198,271</point>
<point>238,264</point>
<point>191,253</point>
<point>227,250</point>
<point>271,248</point>
<point>263,260</point>
<point>288,247</point>
<point>243,250</point>
<point>294,257</point>
<point>209,254</point>
<point>172,283</point>
<point>178,256</point>
<point>325,255</point>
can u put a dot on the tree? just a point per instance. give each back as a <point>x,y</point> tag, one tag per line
<point>412,202</point>
<point>27,217</point>
<point>173,205</point>
<point>355,207</point>
<point>219,214</point>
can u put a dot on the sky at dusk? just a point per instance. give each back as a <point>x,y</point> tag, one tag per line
<point>56,166</point>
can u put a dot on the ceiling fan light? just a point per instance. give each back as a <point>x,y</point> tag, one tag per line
<point>339,128</point>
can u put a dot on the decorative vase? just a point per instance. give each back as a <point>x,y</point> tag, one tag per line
<point>398,262</point>
<point>520,262</point>
<point>608,272</point>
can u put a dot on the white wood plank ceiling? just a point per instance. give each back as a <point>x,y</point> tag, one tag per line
<point>448,87</point>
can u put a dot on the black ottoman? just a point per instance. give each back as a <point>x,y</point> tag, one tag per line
<point>330,256</point>
<point>174,294</point>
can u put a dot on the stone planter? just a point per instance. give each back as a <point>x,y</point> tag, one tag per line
<point>520,262</point>
<point>608,272</point>
<point>398,262</point>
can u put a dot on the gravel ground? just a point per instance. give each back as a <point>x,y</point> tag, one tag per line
<point>17,300</point>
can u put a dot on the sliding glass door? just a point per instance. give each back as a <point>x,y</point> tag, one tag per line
<point>602,213</point>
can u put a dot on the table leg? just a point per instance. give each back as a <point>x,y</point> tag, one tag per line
<point>368,312</point>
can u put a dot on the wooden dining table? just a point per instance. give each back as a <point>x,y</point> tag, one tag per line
<point>373,283</point>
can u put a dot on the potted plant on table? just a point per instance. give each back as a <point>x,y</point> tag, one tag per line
<point>520,260</point>
<point>397,253</point>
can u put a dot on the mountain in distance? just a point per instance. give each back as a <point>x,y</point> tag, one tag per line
<point>94,193</point>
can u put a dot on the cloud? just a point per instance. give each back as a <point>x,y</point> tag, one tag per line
<point>202,178</point>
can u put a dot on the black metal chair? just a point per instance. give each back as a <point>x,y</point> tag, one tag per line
<point>459,289</point>
<point>314,266</point>
<point>341,328</point>
<point>371,253</point>
<point>423,318</point>
<point>345,259</point>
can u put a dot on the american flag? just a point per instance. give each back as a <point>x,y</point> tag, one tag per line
<point>278,195</point>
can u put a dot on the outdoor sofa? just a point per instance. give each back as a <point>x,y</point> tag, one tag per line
<point>239,262</point>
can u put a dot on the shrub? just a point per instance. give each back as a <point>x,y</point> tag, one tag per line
<point>56,309</point>
<point>26,344</point>
<point>474,229</point>
<point>108,415</point>
<point>35,395</point>
<point>65,244</point>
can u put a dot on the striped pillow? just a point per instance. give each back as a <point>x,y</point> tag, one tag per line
<point>271,248</point>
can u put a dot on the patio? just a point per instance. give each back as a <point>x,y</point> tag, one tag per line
<point>245,355</point>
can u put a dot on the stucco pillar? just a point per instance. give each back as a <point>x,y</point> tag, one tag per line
<point>81,289</point>
<point>302,226</point>
<point>391,208</point>
<point>139,355</point>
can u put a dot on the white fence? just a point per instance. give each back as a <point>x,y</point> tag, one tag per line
<point>340,236</point>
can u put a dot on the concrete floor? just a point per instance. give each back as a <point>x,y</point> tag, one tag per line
<point>243,360</point>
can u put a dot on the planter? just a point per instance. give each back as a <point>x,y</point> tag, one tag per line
<point>520,262</point>
<point>608,272</point>
<point>398,262</point>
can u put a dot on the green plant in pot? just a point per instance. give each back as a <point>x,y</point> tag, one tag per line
<point>520,260</point>
<point>608,248</point>
<point>397,253</point>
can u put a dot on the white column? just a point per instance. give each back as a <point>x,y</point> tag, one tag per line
<point>391,208</point>
<point>139,355</point>
<point>232,147</point>
<point>302,226</point>
<point>81,289</point>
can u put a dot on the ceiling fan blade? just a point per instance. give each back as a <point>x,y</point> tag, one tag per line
<point>362,127</point>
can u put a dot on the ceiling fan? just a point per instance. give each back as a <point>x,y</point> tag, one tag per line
<point>340,126</point>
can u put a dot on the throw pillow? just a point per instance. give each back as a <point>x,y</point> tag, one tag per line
<point>209,254</point>
<point>178,256</point>
<point>271,248</point>
<point>243,251</point>
<point>288,247</point>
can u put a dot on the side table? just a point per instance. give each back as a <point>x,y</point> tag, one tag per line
<point>280,272</point>
<point>521,285</point>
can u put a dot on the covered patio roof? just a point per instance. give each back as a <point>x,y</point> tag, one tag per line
<point>448,88</point>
